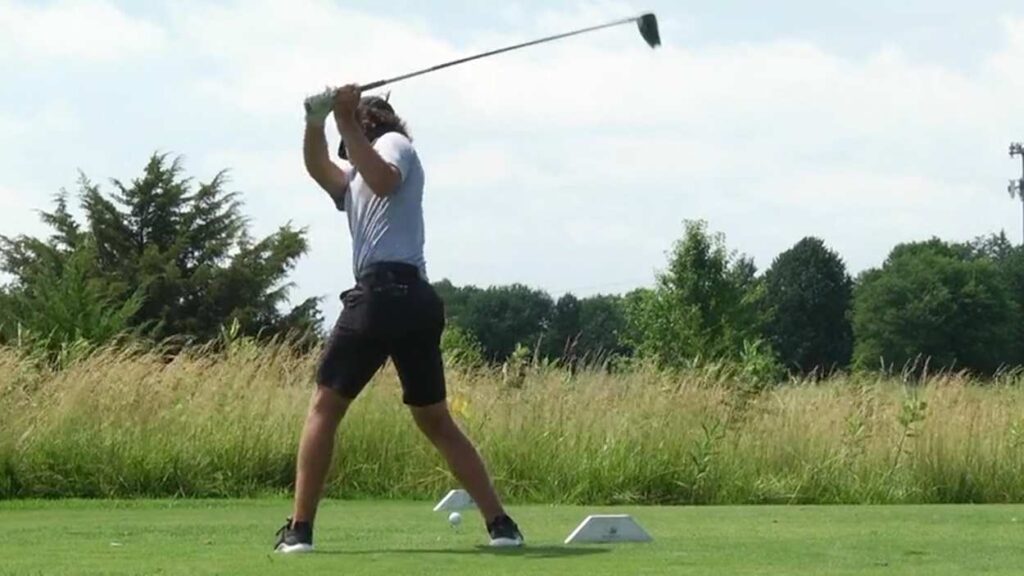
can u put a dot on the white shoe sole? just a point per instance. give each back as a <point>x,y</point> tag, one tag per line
<point>506,543</point>
<point>294,549</point>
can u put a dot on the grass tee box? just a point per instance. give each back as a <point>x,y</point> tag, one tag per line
<point>234,537</point>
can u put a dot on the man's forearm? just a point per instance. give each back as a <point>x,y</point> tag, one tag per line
<point>381,176</point>
<point>314,148</point>
<point>318,163</point>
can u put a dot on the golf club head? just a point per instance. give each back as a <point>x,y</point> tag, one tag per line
<point>648,24</point>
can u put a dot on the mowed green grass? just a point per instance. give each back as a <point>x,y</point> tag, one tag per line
<point>235,537</point>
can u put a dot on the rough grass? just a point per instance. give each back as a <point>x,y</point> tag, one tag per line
<point>130,423</point>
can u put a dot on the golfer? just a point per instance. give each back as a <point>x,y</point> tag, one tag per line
<point>392,312</point>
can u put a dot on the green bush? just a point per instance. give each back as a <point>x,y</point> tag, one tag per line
<point>461,348</point>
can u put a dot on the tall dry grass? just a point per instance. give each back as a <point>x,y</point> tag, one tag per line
<point>129,423</point>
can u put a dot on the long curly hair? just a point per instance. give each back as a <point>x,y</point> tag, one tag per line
<point>377,118</point>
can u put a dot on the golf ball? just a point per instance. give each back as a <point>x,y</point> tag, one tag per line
<point>455,518</point>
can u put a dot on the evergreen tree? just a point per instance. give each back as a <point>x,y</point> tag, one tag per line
<point>179,252</point>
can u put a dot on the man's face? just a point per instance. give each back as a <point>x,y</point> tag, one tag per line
<point>372,113</point>
<point>370,108</point>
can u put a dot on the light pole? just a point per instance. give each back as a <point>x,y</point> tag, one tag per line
<point>1017,186</point>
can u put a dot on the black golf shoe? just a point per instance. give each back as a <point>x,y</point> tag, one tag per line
<point>504,533</point>
<point>294,538</point>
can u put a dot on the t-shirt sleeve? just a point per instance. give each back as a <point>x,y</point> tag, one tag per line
<point>397,150</point>
<point>348,170</point>
<point>350,173</point>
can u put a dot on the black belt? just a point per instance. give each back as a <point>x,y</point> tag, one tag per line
<point>389,273</point>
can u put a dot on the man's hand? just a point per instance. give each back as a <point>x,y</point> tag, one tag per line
<point>319,106</point>
<point>346,101</point>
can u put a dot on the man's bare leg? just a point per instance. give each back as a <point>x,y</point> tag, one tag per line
<point>463,460</point>
<point>316,449</point>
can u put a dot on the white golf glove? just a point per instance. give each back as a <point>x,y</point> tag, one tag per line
<point>319,106</point>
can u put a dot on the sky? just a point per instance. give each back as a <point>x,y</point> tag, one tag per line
<point>570,166</point>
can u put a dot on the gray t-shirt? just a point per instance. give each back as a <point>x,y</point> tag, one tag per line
<point>388,229</point>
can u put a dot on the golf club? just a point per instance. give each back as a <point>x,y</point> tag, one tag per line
<point>647,23</point>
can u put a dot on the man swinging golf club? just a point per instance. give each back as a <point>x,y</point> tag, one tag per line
<point>391,312</point>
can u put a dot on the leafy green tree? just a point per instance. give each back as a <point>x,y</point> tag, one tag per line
<point>503,317</point>
<point>563,330</point>
<point>807,300</point>
<point>456,300</point>
<point>56,297</point>
<point>654,329</point>
<point>933,303</point>
<point>6,305</point>
<point>704,304</point>
<point>569,329</point>
<point>65,305</point>
<point>180,252</point>
<point>500,318</point>
<point>603,331</point>
<point>1010,261</point>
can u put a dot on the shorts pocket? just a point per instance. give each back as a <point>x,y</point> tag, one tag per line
<point>355,315</point>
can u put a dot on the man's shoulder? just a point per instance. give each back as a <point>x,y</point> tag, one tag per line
<point>397,149</point>
<point>396,139</point>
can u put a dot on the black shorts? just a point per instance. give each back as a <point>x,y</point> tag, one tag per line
<point>391,312</point>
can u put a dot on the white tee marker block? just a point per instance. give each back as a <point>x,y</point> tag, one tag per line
<point>455,500</point>
<point>608,528</point>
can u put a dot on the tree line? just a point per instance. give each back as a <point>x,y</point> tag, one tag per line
<point>931,305</point>
<point>163,257</point>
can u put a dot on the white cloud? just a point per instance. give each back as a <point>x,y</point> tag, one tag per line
<point>601,140</point>
<point>56,116</point>
<point>77,30</point>
<point>16,213</point>
<point>12,126</point>
<point>1006,66</point>
<point>482,166</point>
<point>573,164</point>
<point>8,198</point>
<point>302,45</point>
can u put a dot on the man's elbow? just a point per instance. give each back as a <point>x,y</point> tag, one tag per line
<point>314,169</point>
<point>386,183</point>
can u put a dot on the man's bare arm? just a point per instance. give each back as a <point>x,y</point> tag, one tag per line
<point>319,165</point>
<point>382,177</point>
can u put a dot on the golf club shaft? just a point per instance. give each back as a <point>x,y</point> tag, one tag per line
<point>379,83</point>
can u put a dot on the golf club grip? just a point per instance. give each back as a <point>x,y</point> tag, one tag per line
<point>379,83</point>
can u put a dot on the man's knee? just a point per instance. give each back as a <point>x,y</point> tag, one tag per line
<point>328,403</point>
<point>434,421</point>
